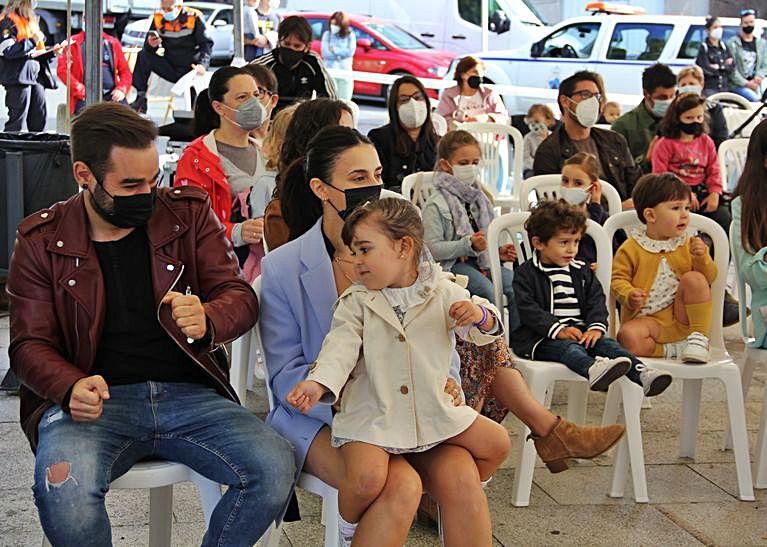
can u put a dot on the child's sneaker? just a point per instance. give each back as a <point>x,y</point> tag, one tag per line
<point>696,350</point>
<point>605,371</point>
<point>654,382</point>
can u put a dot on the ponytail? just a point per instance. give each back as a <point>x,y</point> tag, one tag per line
<point>205,118</point>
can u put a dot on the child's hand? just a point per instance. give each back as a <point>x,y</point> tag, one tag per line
<point>466,312</point>
<point>478,241</point>
<point>570,333</point>
<point>698,247</point>
<point>636,299</point>
<point>508,252</point>
<point>305,395</point>
<point>593,266</point>
<point>590,338</point>
<point>711,203</point>
<point>596,191</point>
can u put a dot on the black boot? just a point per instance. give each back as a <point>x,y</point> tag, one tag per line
<point>730,311</point>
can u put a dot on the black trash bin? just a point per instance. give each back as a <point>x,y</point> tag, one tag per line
<point>36,172</point>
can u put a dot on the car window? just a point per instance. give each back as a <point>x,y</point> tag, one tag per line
<point>638,41</point>
<point>206,12</point>
<point>695,36</point>
<point>318,27</point>
<point>224,15</point>
<point>362,35</point>
<point>573,41</point>
<point>398,37</point>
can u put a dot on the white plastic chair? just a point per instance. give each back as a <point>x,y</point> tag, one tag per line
<point>494,140</point>
<point>547,187</point>
<point>408,185</point>
<point>753,356</point>
<point>246,350</point>
<point>542,375</point>
<point>727,98</point>
<point>732,160</point>
<point>720,366</point>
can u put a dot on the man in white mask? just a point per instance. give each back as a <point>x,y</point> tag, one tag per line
<point>581,98</point>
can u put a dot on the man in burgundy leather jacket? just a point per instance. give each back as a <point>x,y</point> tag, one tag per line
<point>121,299</point>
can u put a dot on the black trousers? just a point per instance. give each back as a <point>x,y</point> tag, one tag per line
<point>146,63</point>
<point>25,103</point>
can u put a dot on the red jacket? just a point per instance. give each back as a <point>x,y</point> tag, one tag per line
<point>123,76</point>
<point>200,166</point>
<point>58,299</point>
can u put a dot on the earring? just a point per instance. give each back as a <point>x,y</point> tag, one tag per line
<point>402,255</point>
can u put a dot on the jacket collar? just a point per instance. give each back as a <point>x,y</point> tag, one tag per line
<point>72,236</point>
<point>317,280</point>
<point>574,264</point>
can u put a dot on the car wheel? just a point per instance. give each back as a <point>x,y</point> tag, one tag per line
<point>385,87</point>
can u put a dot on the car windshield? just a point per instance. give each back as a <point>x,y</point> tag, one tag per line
<point>397,37</point>
<point>206,13</point>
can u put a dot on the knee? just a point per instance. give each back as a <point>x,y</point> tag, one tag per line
<point>270,471</point>
<point>694,281</point>
<point>498,444</point>
<point>631,338</point>
<point>61,488</point>
<point>367,483</point>
<point>404,489</point>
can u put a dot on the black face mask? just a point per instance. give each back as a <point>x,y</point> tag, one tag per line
<point>126,211</point>
<point>692,128</point>
<point>289,57</point>
<point>474,81</point>
<point>748,30</point>
<point>356,197</point>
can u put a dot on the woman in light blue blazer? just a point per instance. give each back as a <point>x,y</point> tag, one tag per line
<point>300,284</point>
<point>338,46</point>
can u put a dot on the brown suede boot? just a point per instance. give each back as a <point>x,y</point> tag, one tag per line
<point>568,440</point>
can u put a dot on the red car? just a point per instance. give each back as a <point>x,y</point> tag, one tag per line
<point>385,48</point>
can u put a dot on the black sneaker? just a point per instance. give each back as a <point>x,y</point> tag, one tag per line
<point>730,311</point>
<point>140,104</point>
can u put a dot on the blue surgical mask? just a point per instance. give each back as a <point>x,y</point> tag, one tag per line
<point>171,15</point>
<point>697,89</point>
<point>659,107</point>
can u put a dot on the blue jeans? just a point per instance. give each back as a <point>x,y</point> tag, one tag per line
<point>579,359</point>
<point>748,94</point>
<point>185,423</point>
<point>481,285</point>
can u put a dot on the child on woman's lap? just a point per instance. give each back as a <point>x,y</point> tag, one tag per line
<point>388,355</point>
<point>562,306</point>
<point>662,277</point>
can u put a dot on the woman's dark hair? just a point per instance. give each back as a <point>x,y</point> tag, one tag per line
<point>297,26</point>
<point>263,76</point>
<point>205,118</point>
<point>670,125</point>
<point>710,20</point>
<point>752,189</point>
<point>403,144</point>
<point>342,20</point>
<point>299,206</point>
<point>552,216</point>
<point>656,188</point>
<point>465,65</point>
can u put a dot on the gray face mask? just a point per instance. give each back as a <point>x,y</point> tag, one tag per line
<point>249,115</point>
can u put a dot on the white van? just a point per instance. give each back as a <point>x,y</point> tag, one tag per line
<point>452,25</point>
<point>619,47</point>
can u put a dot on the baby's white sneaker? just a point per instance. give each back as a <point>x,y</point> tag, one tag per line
<point>696,350</point>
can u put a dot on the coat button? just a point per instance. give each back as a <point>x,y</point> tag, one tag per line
<point>177,191</point>
<point>59,244</point>
<point>170,267</point>
<point>176,227</point>
<point>404,390</point>
<point>196,160</point>
<point>44,215</point>
<point>71,282</point>
<point>401,337</point>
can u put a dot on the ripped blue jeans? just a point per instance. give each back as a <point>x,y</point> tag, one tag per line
<point>186,423</point>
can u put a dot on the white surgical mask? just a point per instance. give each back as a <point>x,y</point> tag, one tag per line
<point>697,89</point>
<point>716,34</point>
<point>412,114</point>
<point>466,173</point>
<point>587,112</point>
<point>334,29</point>
<point>574,195</point>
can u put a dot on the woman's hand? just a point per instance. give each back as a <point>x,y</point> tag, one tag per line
<point>452,389</point>
<point>711,203</point>
<point>694,203</point>
<point>507,252</point>
<point>479,241</point>
<point>305,395</point>
<point>253,230</point>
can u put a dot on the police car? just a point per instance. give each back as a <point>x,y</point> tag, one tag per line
<point>616,41</point>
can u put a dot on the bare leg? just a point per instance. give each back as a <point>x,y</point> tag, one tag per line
<point>510,388</point>
<point>450,476</point>
<point>693,289</point>
<point>639,335</point>
<point>366,469</point>
<point>387,521</point>
<point>488,443</point>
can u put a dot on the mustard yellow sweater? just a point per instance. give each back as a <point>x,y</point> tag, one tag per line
<point>634,267</point>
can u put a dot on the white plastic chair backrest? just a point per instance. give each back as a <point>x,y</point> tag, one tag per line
<point>543,187</point>
<point>355,111</point>
<point>409,183</point>
<point>257,347</point>
<point>743,291</point>
<point>490,142</point>
<point>511,226</point>
<point>732,159</point>
<point>727,98</point>
<point>698,223</point>
<point>440,124</point>
<point>735,117</point>
<point>605,126</point>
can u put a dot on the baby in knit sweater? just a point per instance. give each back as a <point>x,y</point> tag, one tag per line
<point>662,276</point>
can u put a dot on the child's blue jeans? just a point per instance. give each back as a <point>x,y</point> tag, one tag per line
<point>579,359</point>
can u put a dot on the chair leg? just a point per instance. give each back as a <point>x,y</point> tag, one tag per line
<point>271,537</point>
<point>46,543</point>
<point>746,374</point>
<point>210,494</point>
<point>577,399</point>
<point>761,448</point>
<point>632,396</point>
<point>525,453</point>
<point>737,411</point>
<point>689,417</point>
<point>330,509</point>
<point>160,516</point>
<point>440,528</point>
<point>612,407</point>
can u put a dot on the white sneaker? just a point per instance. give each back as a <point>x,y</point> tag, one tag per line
<point>605,371</point>
<point>344,541</point>
<point>696,350</point>
<point>654,382</point>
